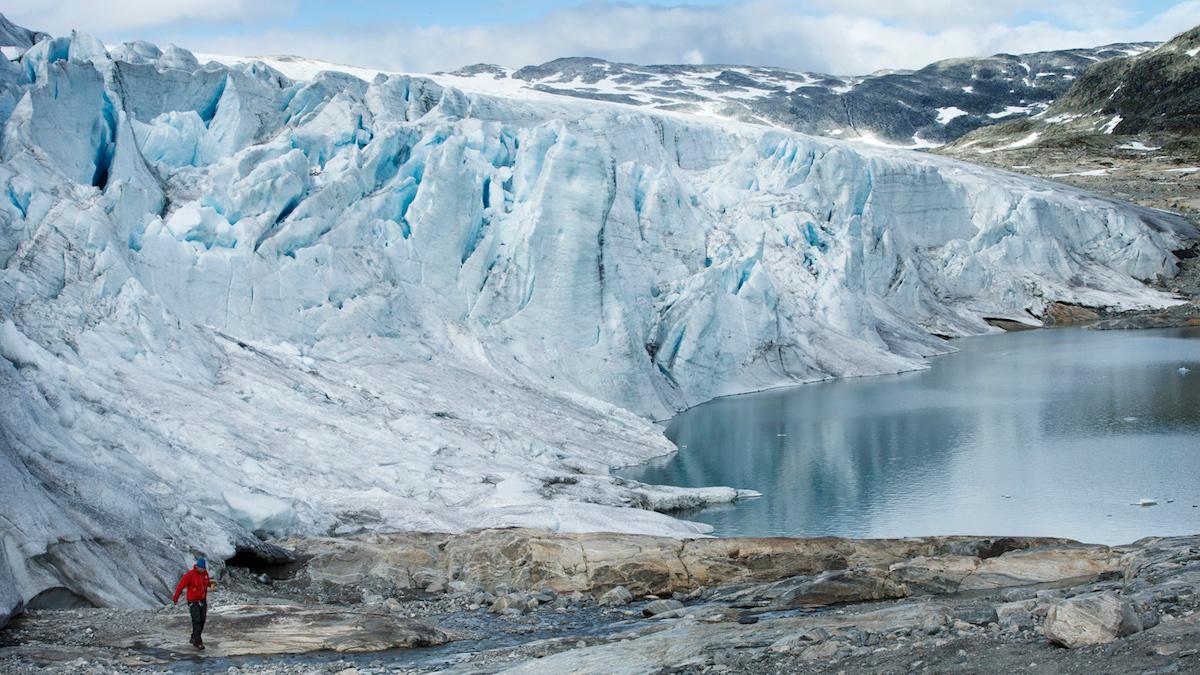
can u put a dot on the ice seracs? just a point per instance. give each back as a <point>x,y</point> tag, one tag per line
<point>236,306</point>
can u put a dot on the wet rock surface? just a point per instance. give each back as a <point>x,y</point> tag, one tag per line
<point>942,604</point>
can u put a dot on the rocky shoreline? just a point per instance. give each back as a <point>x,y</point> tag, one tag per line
<point>516,600</point>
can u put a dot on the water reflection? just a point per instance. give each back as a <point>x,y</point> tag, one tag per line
<point>1045,432</point>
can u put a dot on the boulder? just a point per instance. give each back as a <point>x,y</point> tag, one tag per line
<point>660,606</point>
<point>1018,615</point>
<point>1091,619</point>
<point>618,595</point>
<point>512,601</point>
<point>976,615</point>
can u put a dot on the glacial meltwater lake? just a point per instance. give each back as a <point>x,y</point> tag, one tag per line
<point>1046,432</point>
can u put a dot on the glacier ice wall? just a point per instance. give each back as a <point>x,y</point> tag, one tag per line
<point>233,305</point>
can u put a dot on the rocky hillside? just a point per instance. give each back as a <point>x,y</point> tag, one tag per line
<point>1154,92</point>
<point>1128,126</point>
<point>920,109</point>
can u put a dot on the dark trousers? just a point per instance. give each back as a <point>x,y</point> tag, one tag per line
<point>199,611</point>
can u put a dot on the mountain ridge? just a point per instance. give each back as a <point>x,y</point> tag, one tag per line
<point>1130,126</point>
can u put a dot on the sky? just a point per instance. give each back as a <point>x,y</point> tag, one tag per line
<point>844,37</point>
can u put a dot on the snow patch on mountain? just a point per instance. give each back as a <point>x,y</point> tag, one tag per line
<point>945,115</point>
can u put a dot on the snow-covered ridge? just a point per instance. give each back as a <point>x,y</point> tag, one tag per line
<point>231,303</point>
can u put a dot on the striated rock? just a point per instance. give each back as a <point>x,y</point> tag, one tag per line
<point>240,630</point>
<point>1091,619</point>
<point>705,613</point>
<point>499,560</point>
<point>1163,560</point>
<point>568,562</point>
<point>686,646</point>
<point>947,574</point>
<point>842,586</point>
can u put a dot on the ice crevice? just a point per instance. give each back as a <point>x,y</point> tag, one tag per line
<point>444,302</point>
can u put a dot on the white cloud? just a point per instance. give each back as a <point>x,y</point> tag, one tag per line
<point>939,14</point>
<point>843,37</point>
<point>59,17</point>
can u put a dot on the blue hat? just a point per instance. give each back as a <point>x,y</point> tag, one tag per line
<point>201,563</point>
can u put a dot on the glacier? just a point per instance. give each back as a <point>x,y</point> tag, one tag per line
<point>235,305</point>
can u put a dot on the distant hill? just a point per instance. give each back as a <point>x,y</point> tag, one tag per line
<point>919,109</point>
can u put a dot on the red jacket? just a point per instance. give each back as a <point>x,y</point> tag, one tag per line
<point>196,582</point>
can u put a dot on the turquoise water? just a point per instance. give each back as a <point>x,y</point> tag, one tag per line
<point>1049,432</point>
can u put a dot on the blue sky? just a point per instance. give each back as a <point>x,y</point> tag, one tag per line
<point>838,36</point>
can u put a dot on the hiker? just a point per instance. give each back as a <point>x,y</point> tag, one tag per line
<point>196,582</point>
